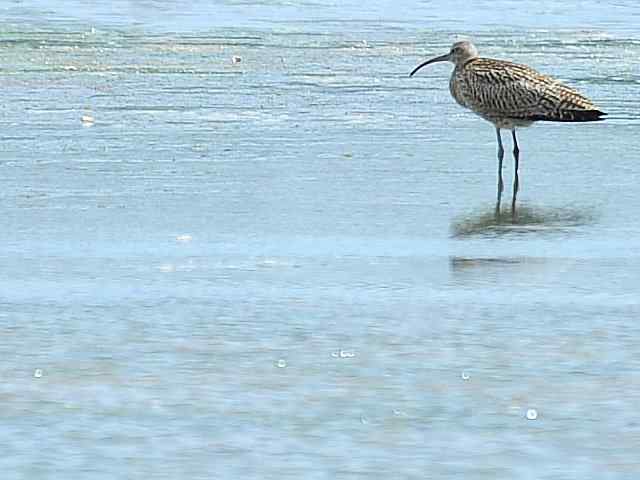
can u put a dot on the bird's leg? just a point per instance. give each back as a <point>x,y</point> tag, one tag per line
<point>516,181</point>
<point>500,182</point>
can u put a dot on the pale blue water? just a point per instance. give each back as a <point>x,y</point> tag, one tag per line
<point>285,267</point>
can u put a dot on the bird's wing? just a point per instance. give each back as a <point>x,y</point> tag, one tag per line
<point>504,89</point>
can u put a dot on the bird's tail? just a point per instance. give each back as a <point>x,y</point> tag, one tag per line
<point>570,116</point>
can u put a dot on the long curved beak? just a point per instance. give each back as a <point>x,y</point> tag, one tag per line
<point>441,58</point>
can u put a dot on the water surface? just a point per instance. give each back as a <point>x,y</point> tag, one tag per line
<point>287,265</point>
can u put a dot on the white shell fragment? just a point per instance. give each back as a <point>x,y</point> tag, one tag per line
<point>87,120</point>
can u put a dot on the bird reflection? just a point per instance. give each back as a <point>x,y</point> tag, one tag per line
<point>493,222</point>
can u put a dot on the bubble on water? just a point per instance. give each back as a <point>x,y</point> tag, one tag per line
<point>532,414</point>
<point>343,354</point>
<point>465,376</point>
<point>282,363</point>
<point>185,238</point>
<point>268,262</point>
<point>37,373</point>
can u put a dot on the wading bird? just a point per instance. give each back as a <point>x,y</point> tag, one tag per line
<point>510,96</point>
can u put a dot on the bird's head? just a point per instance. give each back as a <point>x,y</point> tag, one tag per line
<point>460,53</point>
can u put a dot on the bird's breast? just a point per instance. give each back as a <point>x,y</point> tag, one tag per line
<point>459,88</point>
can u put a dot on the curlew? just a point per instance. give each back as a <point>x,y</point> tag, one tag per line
<point>510,96</point>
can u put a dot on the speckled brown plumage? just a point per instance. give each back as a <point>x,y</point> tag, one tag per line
<point>504,92</point>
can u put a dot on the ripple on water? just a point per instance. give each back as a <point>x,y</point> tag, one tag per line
<point>313,302</point>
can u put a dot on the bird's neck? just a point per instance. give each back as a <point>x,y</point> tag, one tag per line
<point>464,62</point>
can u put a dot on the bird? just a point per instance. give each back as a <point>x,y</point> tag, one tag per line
<point>510,96</point>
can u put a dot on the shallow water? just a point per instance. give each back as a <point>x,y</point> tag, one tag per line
<point>289,266</point>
